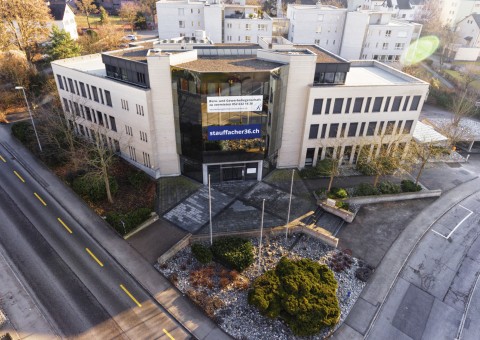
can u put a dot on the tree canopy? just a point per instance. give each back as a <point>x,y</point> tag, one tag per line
<point>62,45</point>
<point>24,23</point>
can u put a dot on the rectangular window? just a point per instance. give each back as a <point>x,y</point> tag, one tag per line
<point>396,103</point>
<point>88,92</point>
<point>362,129</point>
<point>128,130</point>
<point>399,126</point>
<point>344,130</point>
<point>352,129</point>
<point>141,77</point>
<point>313,131</point>
<point>140,110</point>
<point>415,103</point>
<point>377,104</point>
<point>88,114</point>
<point>347,107</point>
<point>357,106</point>
<point>385,46</point>
<point>113,124</point>
<point>108,98</point>
<point>132,152</point>
<point>332,133</point>
<point>60,82</point>
<point>317,106</point>
<point>124,104</point>
<point>405,103</point>
<point>371,128</point>
<point>77,110</point>
<point>247,38</point>
<point>181,24</point>
<point>101,96</point>
<point>309,157</point>
<point>82,89</point>
<point>76,86</point>
<point>143,136</point>
<point>106,120</point>
<point>95,93</point>
<point>387,104</point>
<point>388,33</point>
<point>367,106</point>
<point>70,85</point>
<point>65,103</point>
<point>248,27</point>
<point>146,159</point>
<point>100,118</point>
<point>337,106</point>
<point>380,128</point>
<point>324,131</point>
<point>327,107</point>
<point>408,127</point>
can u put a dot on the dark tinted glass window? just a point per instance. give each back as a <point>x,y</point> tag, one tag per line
<point>405,103</point>
<point>108,98</point>
<point>380,128</point>
<point>313,131</point>
<point>327,107</point>
<point>371,128</point>
<point>60,82</point>
<point>352,129</point>
<point>324,131</point>
<point>390,127</point>
<point>95,93</point>
<point>367,107</point>
<point>415,102</point>
<point>396,103</point>
<point>377,104</point>
<point>387,104</point>
<point>362,129</point>
<point>357,106</point>
<point>347,107</point>
<point>337,106</point>
<point>317,106</point>
<point>333,130</point>
<point>309,156</point>
<point>408,127</point>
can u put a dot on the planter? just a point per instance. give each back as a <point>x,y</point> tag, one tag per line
<point>394,197</point>
<point>329,206</point>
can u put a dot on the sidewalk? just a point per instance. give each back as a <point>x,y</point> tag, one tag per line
<point>152,281</point>
<point>368,306</point>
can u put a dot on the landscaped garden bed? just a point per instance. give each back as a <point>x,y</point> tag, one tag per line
<point>223,292</point>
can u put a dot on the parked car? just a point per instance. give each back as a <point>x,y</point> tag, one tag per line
<point>130,37</point>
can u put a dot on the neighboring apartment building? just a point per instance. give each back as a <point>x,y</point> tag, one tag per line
<point>376,35</point>
<point>453,11</point>
<point>64,18</point>
<point>230,23</point>
<point>236,111</point>
<point>468,31</point>
<point>317,24</point>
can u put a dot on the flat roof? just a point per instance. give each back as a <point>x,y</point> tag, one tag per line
<point>91,63</point>
<point>369,72</point>
<point>322,56</point>
<point>229,64</point>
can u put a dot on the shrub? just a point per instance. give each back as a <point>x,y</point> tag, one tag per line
<point>23,131</point>
<point>337,193</point>
<point>93,187</point>
<point>233,252</point>
<point>342,205</point>
<point>366,189</point>
<point>302,293</point>
<point>325,166</point>
<point>131,219</point>
<point>202,253</point>
<point>409,186</point>
<point>138,179</point>
<point>389,188</point>
<point>309,173</point>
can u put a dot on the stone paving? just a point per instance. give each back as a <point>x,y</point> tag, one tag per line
<point>192,213</point>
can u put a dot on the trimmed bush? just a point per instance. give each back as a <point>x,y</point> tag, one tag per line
<point>307,173</point>
<point>409,186</point>
<point>302,293</point>
<point>389,188</point>
<point>233,252</point>
<point>337,193</point>
<point>366,189</point>
<point>342,205</point>
<point>93,187</point>
<point>131,219</point>
<point>202,253</point>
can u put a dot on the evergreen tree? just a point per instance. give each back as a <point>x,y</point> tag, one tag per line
<point>104,18</point>
<point>62,45</point>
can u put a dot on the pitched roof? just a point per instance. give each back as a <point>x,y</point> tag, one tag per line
<point>57,10</point>
<point>476,17</point>
<point>404,4</point>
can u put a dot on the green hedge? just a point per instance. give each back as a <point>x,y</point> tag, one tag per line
<point>233,252</point>
<point>202,253</point>
<point>337,193</point>
<point>366,189</point>
<point>131,219</point>
<point>389,188</point>
<point>93,187</point>
<point>409,186</point>
<point>302,293</point>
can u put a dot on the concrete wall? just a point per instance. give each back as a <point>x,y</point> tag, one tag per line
<point>356,27</point>
<point>467,54</point>
<point>236,31</point>
<point>396,197</point>
<point>169,17</point>
<point>213,22</point>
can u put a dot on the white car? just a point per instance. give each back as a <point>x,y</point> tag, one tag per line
<point>130,37</point>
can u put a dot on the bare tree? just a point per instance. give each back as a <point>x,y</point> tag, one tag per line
<point>105,38</point>
<point>24,23</point>
<point>87,7</point>
<point>128,12</point>
<point>429,17</point>
<point>421,153</point>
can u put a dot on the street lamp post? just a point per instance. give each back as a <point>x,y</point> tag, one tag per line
<point>31,117</point>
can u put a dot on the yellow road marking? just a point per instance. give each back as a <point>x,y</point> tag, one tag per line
<point>130,295</point>
<point>66,227</point>
<point>3,159</point>
<point>94,257</point>
<point>40,199</point>
<point>168,334</point>
<point>18,175</point>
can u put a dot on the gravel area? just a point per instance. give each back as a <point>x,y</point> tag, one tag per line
<point>232,311</point>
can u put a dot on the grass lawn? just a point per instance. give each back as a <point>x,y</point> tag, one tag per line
<point>458,76</point>
<point>95,21</point>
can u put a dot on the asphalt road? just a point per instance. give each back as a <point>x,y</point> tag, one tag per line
<point>78,285</point>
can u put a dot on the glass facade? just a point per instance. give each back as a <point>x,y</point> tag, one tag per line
<point>197,119</point>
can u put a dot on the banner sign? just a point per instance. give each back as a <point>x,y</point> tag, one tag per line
<point>234,104</point>
<point>234,132</point>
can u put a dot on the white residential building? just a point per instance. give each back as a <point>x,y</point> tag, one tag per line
<point>236,111</point>
<point>317,24</point>
<point>468,31</point>
<point>64,18</point>
<point>452,11</point>
<point>232,23</point>
<point>376,35</point>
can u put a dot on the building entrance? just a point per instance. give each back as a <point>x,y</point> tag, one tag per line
<point>232,172</point>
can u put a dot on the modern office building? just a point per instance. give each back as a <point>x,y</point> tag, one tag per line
<point>236,111</point>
